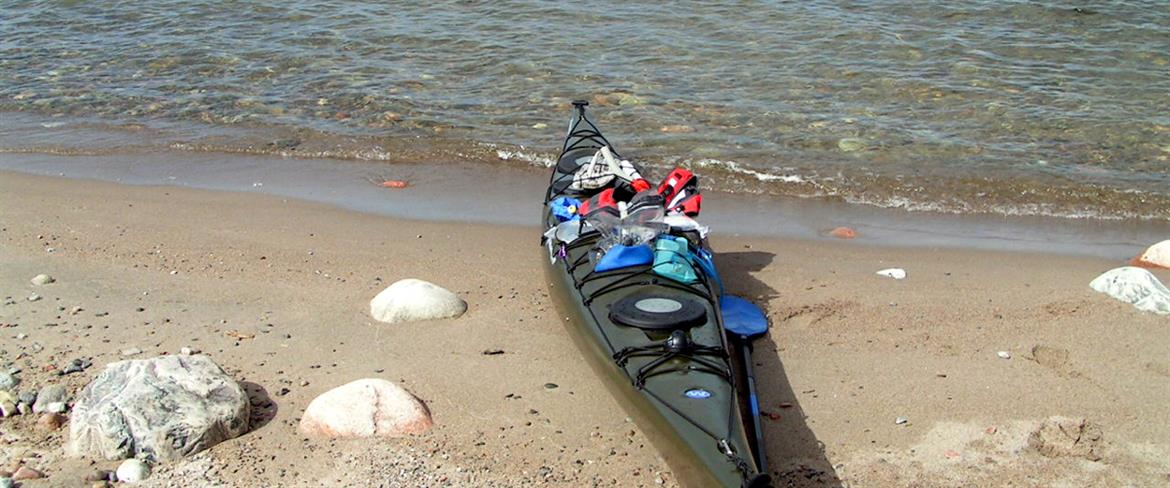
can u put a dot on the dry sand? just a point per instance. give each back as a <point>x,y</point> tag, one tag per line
<point>277,292</point>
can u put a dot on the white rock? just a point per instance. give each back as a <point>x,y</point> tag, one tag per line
<point>42,279</point>
<point>132,471</point>
<point>34,297</point>
<point>1157,255</point>
<point>410,299</point>
<point>57,407</point>
<point>901,420</point>
<point>1135,286</point>
<point>1004,355</point>
<point>895,273</point>
<point>366,408</point>
<point>131,351</point>
<point>162,408</point>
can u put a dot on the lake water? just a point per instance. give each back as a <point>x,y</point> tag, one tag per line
<point>978,107</point>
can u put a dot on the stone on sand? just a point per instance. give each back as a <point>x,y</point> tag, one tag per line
<point>1067,437</point>
<point>410,300</point>
<point>366,408</point>
<point>8,382</point>
<point>1156,256</point>
<point>49,395</point>
<point>42,279</point>
<point>26,473</point>
<point>1135,286</point>
<point>7,405</point>
<point>895,273</point>
<point>50,421</point>
<point>162,408</point>
<point>133,471</point>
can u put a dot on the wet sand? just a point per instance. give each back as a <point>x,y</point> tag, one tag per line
<point>849,351</point>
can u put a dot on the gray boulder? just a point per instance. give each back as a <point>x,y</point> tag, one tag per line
<point>160,409</point>
<point>49,395</point>
<point>8,382</point>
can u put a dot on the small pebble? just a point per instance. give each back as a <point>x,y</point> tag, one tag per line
<point>901,421</point>
<point>550,386</point>
<point>1004,355</point>
<point>42,279</point>
<point>34,297</point>
<point>99,475</point>
<point>133,351</point>
<point>493,352</point>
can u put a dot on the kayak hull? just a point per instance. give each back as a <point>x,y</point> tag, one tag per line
<point>683,461</point>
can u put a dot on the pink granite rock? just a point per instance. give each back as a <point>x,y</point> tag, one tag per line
<point>366,408</point>
<point>1156,256</point>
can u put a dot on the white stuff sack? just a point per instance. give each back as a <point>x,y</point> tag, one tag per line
<point>601,170</point>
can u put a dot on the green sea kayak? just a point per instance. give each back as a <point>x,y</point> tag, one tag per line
<point>659,342</point>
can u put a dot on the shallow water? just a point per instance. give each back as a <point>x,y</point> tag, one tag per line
<point>1007,108</point>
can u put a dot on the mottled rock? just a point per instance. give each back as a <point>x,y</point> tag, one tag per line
<point>42,279</point>
<point>161,408</point>
<point>1067,437</point>
<point>6,482</point>
<point>50,394</point>
<point>365,408</point>
<point>1135,286</point>
<point>410,299</point>
<point>1156,256</point>
<point>133,471</point>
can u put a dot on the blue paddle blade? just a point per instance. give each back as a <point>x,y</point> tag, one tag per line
<point>742,317</point>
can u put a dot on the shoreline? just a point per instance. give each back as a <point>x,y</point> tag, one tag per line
<point>459,192</point>
<point>848,351</point>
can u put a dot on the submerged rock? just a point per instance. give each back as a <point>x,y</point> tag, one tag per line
<point>851,144</point>
<point>410,300</point>
<point>1135,286</point>
<point>843,233</point>
<point>162,408</point>
<point>366,408</point>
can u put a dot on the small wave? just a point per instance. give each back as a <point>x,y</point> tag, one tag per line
<point>530,158</point>
<point>734,167</point>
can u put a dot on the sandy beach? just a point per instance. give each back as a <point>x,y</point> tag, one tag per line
<point>276,291</point>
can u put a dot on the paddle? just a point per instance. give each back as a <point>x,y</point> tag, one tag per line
<point>744,319</point>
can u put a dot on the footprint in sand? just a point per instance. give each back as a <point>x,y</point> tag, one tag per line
<point>1054,358</point>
